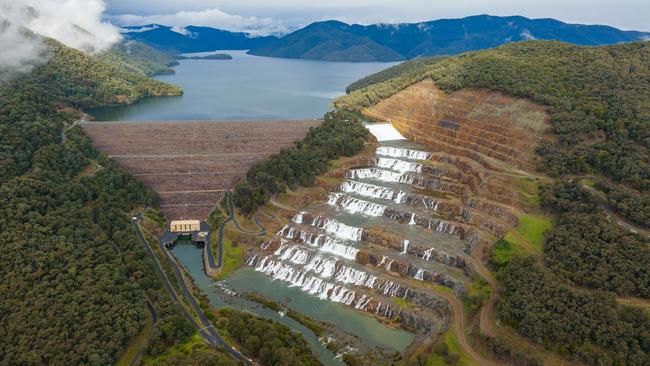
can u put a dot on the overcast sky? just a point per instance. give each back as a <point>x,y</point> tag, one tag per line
<point>281,15</point>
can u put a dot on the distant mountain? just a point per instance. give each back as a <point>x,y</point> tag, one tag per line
<point>331,41</point>
<point>337,41</point>
<point>193,39</point>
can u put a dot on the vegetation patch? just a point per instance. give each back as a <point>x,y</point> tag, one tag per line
<point>311,324</point>
<point>532,228</point>
<point>340,134</point>
<point>269,342</point>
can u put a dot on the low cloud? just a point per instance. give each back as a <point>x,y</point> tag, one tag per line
<point>209,17</point>
<point>75,23</point>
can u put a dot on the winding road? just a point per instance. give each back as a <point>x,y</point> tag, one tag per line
<point>205,327</point>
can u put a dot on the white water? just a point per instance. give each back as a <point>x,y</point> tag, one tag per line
<point>355,205</point>
<point>403,153</point>
<point>412,221</point>
<point>384,132</point>
<point>379,174</point>
<point>419,275</point>
<point>442,226</point>
<point>373,191</point>
<point>323,243</point>
<point>338,229</point>
<point>406,246</point>
<point>401,166</point>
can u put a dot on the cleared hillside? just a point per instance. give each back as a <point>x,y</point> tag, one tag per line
<point>563,296</point>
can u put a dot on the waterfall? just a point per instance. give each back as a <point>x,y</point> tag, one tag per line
<point>379,174</point>
<point>427,254</point>
<point>297,218</point>
<point>412,222</point>
<point>389,264</point>
<point>442,226</point>
<point>338,229</point>
<point>406,246</point>
<point>403,153</point>
<point>419,275</point>
<point>355,205</point>
<point>373,191</point>
<point>383,260</point>
<point>363,302</point>
<point>345,251</point>
<point>401,166</point>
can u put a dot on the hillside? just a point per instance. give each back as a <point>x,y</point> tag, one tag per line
<point>75,280</point>
<point>139,57</point>
<point>193,38</point>
<point>590,163</point>
<point>337,41</point>
<point>329,41</point>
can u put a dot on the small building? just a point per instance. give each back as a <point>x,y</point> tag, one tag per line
<point>184,226</point>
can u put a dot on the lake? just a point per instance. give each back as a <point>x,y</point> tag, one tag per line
<point>247,88</point>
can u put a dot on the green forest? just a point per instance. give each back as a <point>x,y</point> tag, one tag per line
<point>597,98</point>
<point>340,134</point>
<point>140,58</point>
<point>76,280</point>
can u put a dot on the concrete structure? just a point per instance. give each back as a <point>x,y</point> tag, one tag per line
<point>184,226</point>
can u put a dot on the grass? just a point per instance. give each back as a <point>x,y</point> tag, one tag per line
<point>505,250</point>
<point>233,256</point>
<point>532,228</point>
<point>478,292</point>
<point>136,345</point>
<point>529,188</point>
<point>402,303</point>
<point>184,348</point>
<point>452,344</point>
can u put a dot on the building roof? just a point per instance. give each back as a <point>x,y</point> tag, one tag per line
<point>185,222</point>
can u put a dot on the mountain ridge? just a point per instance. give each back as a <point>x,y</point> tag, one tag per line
<point>333,40</point>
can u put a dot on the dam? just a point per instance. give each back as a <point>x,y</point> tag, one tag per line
<point>190,164</point>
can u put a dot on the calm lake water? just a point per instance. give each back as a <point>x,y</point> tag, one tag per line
<point>247,87</point>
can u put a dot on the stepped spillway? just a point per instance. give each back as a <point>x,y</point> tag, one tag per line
<point>325,252</point>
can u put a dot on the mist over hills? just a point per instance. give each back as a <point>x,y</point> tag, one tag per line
<point>337,41</point>
<point>193,38</point>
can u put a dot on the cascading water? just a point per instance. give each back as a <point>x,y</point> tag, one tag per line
<point>406,246</point>
<point>412,221</point>
<point>419,275</point>
<point>355,205</point>
<point>401,166</point>
<point>373,191</point>
<point>380,174</point>
<point>397,152</point>
<point>338,229</point>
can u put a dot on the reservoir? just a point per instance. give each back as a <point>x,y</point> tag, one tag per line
<point>246,88</point>
<point>254,88</point>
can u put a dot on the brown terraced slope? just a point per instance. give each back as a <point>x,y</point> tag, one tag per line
<point>524,124</point>
<point>190,164</point>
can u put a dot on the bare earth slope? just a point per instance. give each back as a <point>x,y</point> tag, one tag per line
<point>190,164</point>
<point>478,124</point>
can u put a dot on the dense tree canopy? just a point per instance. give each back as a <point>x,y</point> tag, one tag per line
<point>75,279</point>
<point>340,134</point>
<point>592,251</point>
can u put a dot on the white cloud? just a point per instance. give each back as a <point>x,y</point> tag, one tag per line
<point>527,35</point>
<point>209,18</point>
<point>75,23</point>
